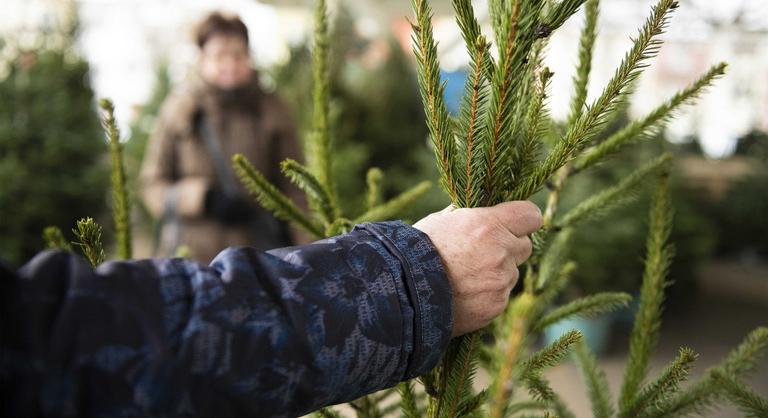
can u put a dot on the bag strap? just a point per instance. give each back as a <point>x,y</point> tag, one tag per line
<point>224,175</point>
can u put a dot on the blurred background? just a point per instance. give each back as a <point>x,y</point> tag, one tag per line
<point>57,57</point>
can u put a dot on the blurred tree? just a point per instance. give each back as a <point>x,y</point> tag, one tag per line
<point>48,127</point>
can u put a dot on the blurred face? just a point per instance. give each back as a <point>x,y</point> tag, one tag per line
<point>225,62</point>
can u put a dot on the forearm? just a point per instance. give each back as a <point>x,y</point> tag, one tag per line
<point>279,333</point>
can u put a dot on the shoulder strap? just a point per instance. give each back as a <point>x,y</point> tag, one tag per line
<point>224,176</point>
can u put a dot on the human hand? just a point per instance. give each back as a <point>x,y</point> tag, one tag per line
<point>481,249</point>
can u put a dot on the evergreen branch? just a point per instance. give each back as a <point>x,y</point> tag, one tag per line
<point>319,196</point>
<point>88,238</point>
<point>596,382</point>
<point>121,210</point>
<point>539,388</point>
<point>460,373</point>
<point>471,405</point>
<point>396,205</point>
<point>318,157</point>
<point>664,386</point>
<point>54,239</point>
<point>560,13</point>
<point>528,151</point>
<point>645,332</point>
<point>270,197</point>
<point>588,306</point>
<point>749,402</point>
<point>555,286</point>
<point>550,355</point>
<point>373,193</point>
<point>616,196</point>
<point>517,314</point>
<point>701,396</point>
<point>561,410</point>
<point>432,93</point>
<point>338,227</point>
<point>581,132</point>
<point>551,264</point>
<point>408,400</point>
<point>471,32</point>
<point>473,108</point>
<point>586,47</point>
<point>522,406</point>
<point>327,413</point>
<point>650,124</point>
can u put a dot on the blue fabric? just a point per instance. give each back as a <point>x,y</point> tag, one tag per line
<point>280,333</point>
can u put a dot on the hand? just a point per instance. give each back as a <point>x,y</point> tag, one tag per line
<point>481,249</point>
<point>229,210</point>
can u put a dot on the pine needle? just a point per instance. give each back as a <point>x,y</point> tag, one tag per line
<point>561,12</point>
<point>271,198</point>
<point>408,400</point>
<point>597,384</point>
<point>471,32</point>
<point>588,306</point>
<point>327,413</point>
<point>622,194</point>
<point>460,373</point>
<point>550,355</point>
<point>652,123</point>
<point>54,239</point>
<point>392,208</point>
<point>645,332</point>
<point>121,209</point>
<point>88,239</point>
<point>586,46</point>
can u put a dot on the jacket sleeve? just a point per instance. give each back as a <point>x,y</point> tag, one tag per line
<point>279,334</point>
<point>162,188</point>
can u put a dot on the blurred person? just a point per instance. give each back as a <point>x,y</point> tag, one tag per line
<point>268,334</point>
<point>187,177</point>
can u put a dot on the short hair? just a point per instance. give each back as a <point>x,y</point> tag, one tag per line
<point>218,23</point>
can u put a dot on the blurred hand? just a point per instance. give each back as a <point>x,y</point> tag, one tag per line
<point>481,249</point>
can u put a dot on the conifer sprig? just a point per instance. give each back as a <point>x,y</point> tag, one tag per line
<point>408,399</point>
<point>597,384</point>
<point>432,93</point>
<point>309,184</point>
<point>586,46</point>
<point>271,198</point>
<point>121,209</point>
<point>396,205</point>
<point>645,332</point>
<point>587,125</point>
<point>88,238</point>
<point>54,239</point>
<point>650,124</point>
<point>750,403</point>
<point>588,306</point>
<point>560,12</point>
<point>624,192</point>
<point>471,32</point>
<point>373,192</point>
<point>663,387</point>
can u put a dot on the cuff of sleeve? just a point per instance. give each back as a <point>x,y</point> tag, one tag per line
<point>428,289</point>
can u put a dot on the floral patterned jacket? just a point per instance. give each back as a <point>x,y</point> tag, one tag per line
<point>254,334</point>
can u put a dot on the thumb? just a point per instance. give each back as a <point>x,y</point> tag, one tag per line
<point>521,218</point>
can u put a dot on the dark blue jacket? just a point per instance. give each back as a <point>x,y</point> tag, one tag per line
<point>254,334</point>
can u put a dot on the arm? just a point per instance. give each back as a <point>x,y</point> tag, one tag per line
<point>279,333</point>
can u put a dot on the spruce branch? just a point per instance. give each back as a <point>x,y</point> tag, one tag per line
<point>408,400</point>
<point>588,306</point>
<point>621,194</point>
<point>586,46</point>
<point>550,355</point>
<point>645,332</point>
<point>596,382</point>
<point>121,210</point>
<point>396,205</point>
<point>471,405</point>
<point>460,373</point>
<point>307,182</point>
<point>749,402</point>
<point>587,125</point>
<point>373,192</point>
<point>523,406</point>
<point>471,32</point>
<point>327,413</point>
<point>432,93</point>
<point>88,239</point>
<point>663,387</point>
<point>319,140</point>
<point>701,396</point>
<point>528,151</point>
<point>54,239</point>
<point>271,198</point>
<point>651,123</point>
<point>560,13</point>
<point>551,277</point>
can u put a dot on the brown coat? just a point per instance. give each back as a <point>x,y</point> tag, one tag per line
<point>178,171</point>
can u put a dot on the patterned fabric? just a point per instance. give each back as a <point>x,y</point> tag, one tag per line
<point>254,334</point>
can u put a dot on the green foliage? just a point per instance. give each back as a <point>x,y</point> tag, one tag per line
<point>663,387</point>
<point>595,380</point>
<point>587,306</point>
<point>88,239</point>
<point>48,127</point>
<point>54,239</point>
<point>750,403</point>
<point>121,209</point>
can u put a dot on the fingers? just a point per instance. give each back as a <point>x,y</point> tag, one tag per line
<point>521,218</point>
